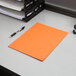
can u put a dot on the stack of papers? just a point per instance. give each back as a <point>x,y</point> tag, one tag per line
<point>16,14</point>
<point>12,4</point>
<point>12,8</point>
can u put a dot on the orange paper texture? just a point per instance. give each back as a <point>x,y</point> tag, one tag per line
<point>39,41</point>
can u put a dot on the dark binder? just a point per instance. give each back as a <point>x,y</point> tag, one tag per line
<point>67,7</point>
<point>6,72</point>
<point>34,10</point>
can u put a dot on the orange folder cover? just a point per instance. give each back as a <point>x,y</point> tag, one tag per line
<point>39,41</point>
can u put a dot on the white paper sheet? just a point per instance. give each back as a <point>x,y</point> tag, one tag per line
<point>12,4</point>
<point>19,0</point>
<point>16,14</point>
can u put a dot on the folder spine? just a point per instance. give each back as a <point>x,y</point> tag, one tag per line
<point>31,3</point>
<point>35,8</point>
<point>28,3</point>
<point>34,11</point>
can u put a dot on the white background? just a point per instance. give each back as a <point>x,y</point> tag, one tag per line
<point>61,62</point>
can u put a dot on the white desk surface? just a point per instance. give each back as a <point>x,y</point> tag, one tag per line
<point>61,62</point>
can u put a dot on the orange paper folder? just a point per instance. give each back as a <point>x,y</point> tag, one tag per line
<point>39,41</point>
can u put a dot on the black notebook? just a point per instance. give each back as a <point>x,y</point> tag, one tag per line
<point>6,72</point>
<point>67,7</point>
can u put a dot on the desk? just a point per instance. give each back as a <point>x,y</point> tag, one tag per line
<point>61,62</point>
